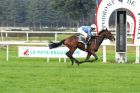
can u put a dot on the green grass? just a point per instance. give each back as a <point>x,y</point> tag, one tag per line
<point>54,77</point>
<point>35,75</point>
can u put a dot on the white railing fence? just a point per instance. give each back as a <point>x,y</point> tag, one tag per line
<point>55,38</point>
<point>4,34</point>
<point>8,44</point>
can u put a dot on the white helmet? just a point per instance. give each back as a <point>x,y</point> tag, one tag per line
<point>93,26</point>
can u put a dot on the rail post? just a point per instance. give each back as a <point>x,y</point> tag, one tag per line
<point>55,36</point>
<point>121,34</point>
<point>7,53</point>
<point>104,54</point>
<point>27,36</point>
<point>137,54</point>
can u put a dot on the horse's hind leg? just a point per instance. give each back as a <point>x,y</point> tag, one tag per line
<point>70,57</point>
<point>69,54</point>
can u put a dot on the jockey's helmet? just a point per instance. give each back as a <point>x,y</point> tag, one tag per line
<point>93,26</point>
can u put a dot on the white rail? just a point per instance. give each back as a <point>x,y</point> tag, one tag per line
<point>36,32</point>
<point>43,32</point>
<point>137,52</point>
<point>7,44</point>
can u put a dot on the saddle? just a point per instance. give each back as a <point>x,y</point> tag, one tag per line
<point>83,39</point>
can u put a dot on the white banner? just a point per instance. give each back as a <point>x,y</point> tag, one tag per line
<point>28,51</point>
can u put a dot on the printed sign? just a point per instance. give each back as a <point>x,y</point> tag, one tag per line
<point>27,51</point>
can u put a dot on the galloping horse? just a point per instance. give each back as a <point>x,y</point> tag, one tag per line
<point>92,46</point>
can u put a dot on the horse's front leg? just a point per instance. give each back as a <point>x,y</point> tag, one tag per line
<point>87,58</point>
<point>95,56</point>
<point>70,57</point>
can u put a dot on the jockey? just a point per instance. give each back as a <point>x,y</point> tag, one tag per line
<point>86,31</point>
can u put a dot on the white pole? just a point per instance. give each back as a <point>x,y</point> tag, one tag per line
<point>65,60</point>
<point>7,53</point>
<point>48,60</point>
<point>104,54</point>
<point>27,36</point>
<point>59,59</point>
<point>6,34</point>
<point>1,35</point>
<point>137,54</point>
<point>55,36</point>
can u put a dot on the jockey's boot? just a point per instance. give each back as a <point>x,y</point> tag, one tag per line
<point>85,46</point>
<point>86,42</point>
<point>87,39</point>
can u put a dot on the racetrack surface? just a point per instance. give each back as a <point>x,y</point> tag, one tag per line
<point>55,77</point>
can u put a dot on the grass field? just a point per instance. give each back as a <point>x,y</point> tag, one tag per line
<point>35,75</point>
<point>54,77</point>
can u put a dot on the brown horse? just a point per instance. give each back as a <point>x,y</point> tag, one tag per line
<point>92,46</point>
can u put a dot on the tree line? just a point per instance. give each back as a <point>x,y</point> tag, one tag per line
<point>46,12</point>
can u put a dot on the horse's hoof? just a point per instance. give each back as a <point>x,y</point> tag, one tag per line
<point>78,63</point>
<point>72,63</point>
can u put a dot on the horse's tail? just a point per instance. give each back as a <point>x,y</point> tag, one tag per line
<point>55,45</point>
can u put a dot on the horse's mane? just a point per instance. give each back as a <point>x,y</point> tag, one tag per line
<point>103,30</point>
<point>93,37</point>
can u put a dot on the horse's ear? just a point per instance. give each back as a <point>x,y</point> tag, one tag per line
<point>106,29</point>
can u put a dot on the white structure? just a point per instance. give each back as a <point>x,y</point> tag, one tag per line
<point>104,10</point>
<point>130,21</point>
<point>8,44</point>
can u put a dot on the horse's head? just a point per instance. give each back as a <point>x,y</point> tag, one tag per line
<point>107,34</point>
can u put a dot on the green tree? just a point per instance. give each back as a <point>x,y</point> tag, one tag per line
<point>44,12</point>
<point>76,9</point>
<point>14,12</point>
<point>1,11</point>
<point>37,12</point>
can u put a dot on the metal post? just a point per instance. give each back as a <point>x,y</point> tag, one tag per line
<point>121,34</point>
<point>59,59</point>
<point>104,54</point>
<point>65,60</point>
<point>137,54</point>
<point>48,60</point>
<point>7,53</point>
<point>27,36</point>
<point>55,36</point>
<point>1,36</point>
<point>6,34</point>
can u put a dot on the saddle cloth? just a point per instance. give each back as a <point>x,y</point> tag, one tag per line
<point>82,39</point>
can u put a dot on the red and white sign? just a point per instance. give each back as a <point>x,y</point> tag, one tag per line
<point>28,51</point>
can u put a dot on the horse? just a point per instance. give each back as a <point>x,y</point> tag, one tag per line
<point>93,45</point>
